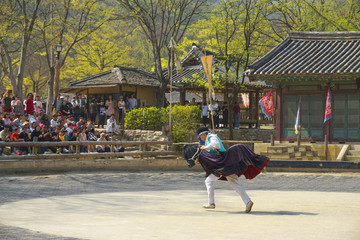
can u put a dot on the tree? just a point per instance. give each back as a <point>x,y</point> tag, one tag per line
<point>160,20</point>
<point>18,19</point>
<point>233,32</point>
<point>67,23</point>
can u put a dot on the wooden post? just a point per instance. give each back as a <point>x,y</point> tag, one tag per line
<point>77,146</point>
<point>34,149</point>
<point>257,108</point>
<point>326,146</point>
<point>272,140</point>
<point>299,138</point>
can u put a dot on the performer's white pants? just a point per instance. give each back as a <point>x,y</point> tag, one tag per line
<point>234,183</point>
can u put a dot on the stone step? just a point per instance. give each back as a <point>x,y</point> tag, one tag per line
<point>354,152</point>
<point>355,147</point>
<point>355,159</point>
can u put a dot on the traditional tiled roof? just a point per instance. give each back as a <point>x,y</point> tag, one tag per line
<point>116,76</point>
<point>192,66</point>
<point>311,54</point>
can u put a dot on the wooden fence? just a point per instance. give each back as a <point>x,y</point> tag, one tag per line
<point>76,154</point>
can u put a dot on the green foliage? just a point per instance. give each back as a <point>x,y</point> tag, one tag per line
<point>144,118</point>
<point>184,120</point>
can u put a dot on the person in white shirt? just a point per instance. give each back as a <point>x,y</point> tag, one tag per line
<point>122,110</point>
<point>132,102</point>
<point>38,104</point>
<point>204,113</point>
<point>111,126</point>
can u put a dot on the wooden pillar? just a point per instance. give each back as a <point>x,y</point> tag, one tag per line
<point>278,114</point>
<point>182,97</point>
<point>203,97</point>
<point>257,108</point>
<point>251,102</point>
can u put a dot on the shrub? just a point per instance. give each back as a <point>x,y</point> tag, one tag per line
<point>184,120</point>
<point>144,118</point>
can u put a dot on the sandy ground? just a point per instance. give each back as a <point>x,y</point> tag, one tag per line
<point>154,205</point>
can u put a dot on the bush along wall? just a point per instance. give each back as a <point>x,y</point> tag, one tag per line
<point>184,120</point>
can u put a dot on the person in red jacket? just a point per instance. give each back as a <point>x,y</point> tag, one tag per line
<point>29,103</point>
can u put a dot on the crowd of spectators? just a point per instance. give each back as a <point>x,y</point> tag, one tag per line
<point>71,120</point>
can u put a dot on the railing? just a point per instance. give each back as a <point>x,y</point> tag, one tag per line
<point>35,145</point>
<point>77,154</point>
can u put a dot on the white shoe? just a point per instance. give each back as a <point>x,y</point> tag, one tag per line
<point>46,152</point>
<point>249,206</point>
<point>209,206</point>
<point>65,150</point>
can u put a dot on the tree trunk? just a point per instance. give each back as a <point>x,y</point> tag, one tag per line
<point>51,96</point>
<point>162,80</point>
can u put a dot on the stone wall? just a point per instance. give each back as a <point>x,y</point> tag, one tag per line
<point>247,134</point>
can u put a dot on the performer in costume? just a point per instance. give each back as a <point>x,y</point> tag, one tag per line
<point>224,165</point>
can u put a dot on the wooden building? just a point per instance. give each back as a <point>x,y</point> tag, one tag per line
<point>119,81</point>
<point>193,70</point>
<point>304,66</point>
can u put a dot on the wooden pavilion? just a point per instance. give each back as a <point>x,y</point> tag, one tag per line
<point>304,66</point>
<point>193,69</point>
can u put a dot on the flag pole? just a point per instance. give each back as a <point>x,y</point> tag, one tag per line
<point>210,99</point>
<point>171,75</point>
<point>299,135</point>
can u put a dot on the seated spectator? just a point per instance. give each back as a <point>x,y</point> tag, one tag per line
<point>5,136</point>
<point>25,135</point>
<point>82,137</point>
<point>111,126</point>
<point>118,148</point>
<point>54,121</point>
<point>45,120</point>
<point>46,137</point>
<point>63,136</point>
<point>15,138</point>
<point>102,148</point>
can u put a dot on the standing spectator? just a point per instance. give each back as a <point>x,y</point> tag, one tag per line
<point>76,108</point>
<point>17,106</point>
<point>64,109</point>
<point>30,103</point>
<point>236,110</point>
<point>122,110</point>
<point>102,148</point>
<point>68,104</point>
<point>57,103</point>
<point>102,114</point>
<point>38,104</point>
<point>1,103</point>
<point>225,113</point>
<point>7,101</point>
<point>82,105</point>
<point>111,126</point>
<point>93,110</point>
<point>110,104</point>
<point>132,102</point>
<point>204,113</point>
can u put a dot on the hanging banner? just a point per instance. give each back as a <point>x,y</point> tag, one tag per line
<point>267,104</point>
<point>207,65</point>
<point>245,99</point>
<point>297,123</point>
<point>328,110</point>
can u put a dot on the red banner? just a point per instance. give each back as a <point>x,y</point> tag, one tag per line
<point>328,110</point>
<point>267,104</point>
